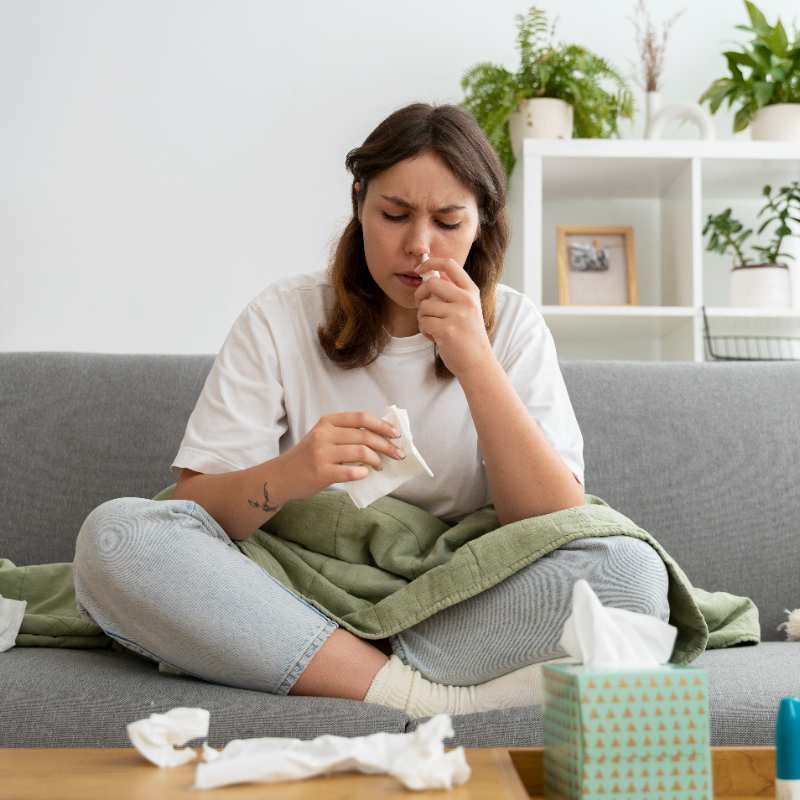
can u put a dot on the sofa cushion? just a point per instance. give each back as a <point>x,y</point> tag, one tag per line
<point>745,685</point>
<point>58,697</point>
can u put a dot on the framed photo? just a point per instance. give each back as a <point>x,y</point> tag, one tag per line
<point>596,265</point>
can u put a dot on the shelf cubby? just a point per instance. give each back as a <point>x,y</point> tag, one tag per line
<point>664,189</point>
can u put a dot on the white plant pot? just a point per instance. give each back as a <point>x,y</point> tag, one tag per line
<point>540,118</point>
<point>779,122</point>
<point>791,246</point>
<point>761,285</point>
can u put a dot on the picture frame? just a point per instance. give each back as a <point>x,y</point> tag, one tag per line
<point>596,265</point>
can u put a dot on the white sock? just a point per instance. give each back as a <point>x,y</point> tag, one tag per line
<point>400,686</point>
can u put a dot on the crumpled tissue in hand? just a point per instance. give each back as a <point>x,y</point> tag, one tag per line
<point>417,759</point>
<point>379,483</point>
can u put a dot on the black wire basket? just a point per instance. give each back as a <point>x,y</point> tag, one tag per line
<point>750,348</point>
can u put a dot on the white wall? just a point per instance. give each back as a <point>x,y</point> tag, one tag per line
<point>161,161</point>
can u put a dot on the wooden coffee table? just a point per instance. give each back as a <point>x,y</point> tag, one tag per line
<point>497,773</point>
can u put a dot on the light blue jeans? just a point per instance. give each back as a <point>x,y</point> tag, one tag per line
<point>164,580</point>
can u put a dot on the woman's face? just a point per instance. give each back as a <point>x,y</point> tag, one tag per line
<point>416,206</point>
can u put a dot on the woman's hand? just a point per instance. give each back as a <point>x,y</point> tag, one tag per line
<point>332,450</point>
<point>449,313</point>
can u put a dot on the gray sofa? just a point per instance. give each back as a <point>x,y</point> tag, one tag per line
<point>703,456</point>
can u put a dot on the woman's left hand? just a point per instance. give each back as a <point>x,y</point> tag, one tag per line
<point>449,313</point>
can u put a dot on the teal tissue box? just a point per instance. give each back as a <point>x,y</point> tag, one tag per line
<point>626,733</point>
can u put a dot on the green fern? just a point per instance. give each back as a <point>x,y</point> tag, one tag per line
<point>566,72</point>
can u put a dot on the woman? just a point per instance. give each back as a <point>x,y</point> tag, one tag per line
<point>292,406</point>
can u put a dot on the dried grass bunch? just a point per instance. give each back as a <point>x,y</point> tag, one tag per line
<point>651,50</point>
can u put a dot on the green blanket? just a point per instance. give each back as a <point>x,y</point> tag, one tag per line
<point>384,568</point>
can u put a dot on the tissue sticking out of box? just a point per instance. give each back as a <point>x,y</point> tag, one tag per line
<point>602,636</point>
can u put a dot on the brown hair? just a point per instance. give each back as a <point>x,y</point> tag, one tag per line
<point>353,335</point>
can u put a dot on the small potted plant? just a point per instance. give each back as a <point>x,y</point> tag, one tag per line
<point>769,96</point>
<point>768,282</point>
<point>556,92</point>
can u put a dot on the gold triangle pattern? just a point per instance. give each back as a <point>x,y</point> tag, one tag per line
<point>627,733</point>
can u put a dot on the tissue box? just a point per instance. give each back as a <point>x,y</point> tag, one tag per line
<point>626,733</point>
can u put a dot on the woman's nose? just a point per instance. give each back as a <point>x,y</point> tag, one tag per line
<point>419,240</point>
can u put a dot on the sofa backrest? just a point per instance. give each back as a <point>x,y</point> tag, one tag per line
<point>702,456</point>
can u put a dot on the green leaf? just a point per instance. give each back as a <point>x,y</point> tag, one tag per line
<point>735,57</point>
<point>742,119</point>
<point>779,40</point>
<point>733,66</point>
<point>717,92</point>
<point>764,225</point>
<point>762,91</point>
<point>757,19</point>
<point>762,56</point>
<point>778,73</point>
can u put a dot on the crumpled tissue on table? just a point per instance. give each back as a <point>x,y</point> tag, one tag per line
<point>417,759</point>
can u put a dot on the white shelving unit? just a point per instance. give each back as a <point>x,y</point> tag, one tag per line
<point>664,189</point>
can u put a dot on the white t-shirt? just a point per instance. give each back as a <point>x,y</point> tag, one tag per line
<point>271,382</point>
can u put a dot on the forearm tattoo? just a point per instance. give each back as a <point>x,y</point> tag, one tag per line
<point>265,506</point>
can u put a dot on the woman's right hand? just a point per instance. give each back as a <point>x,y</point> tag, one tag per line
<point>334,450</point>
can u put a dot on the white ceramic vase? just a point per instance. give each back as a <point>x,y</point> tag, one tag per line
<point>652,105</point>
<point>778,122</point>
<point>540,118</point>
<point>760,286</point>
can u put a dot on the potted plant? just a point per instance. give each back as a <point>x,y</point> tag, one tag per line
<point>768,282</point>
<point>769,96</point>
<point>556,92</point>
